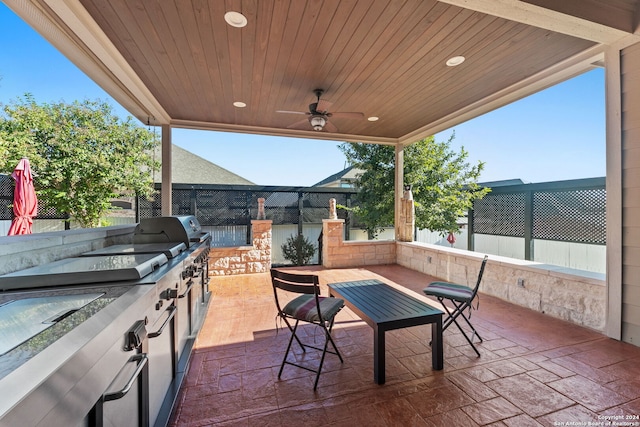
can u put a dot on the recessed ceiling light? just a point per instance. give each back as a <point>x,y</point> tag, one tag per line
<point>235,19</point>
<point>456,60</point>
<point>239,104</point>
<point>373,119</point>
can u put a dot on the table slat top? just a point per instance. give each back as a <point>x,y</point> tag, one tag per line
<point>381,302</point>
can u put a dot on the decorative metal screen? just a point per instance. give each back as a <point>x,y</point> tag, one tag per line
<point>218,208</point>
<point>572,216</point>
<point>223,205</point>
<point>6,201</point>
<point>568,211</point>
<point>6,197</point>
<point>500,214</point>
<point>316,206</point>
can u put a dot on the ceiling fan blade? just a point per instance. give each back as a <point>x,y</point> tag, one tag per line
<point>347,115</point>
<point>291,112</point>
<point>302,125</point>
<point>323,106</point>
<point>330,127</point>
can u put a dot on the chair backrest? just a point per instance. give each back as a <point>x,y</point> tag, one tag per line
<point>480,273</point>
<point>296,283</point>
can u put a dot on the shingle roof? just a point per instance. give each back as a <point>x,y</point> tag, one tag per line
<point>349,173</point>
<point>188,168</point>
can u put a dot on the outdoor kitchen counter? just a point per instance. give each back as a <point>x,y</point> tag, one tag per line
<point>20,252</point>
<point>62,352</point>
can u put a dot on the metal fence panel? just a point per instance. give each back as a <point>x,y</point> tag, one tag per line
<point>567,211</point>
<point>572,215</point>
<point>500,214</point>
<point>224,205</point>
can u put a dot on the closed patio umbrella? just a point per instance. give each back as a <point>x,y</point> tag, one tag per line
<point>25,203</point>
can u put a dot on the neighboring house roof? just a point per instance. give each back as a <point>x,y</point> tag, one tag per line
<point>350,174</point>
<point>347,175</point>
<point>188,168</point>
<point>502,183</point>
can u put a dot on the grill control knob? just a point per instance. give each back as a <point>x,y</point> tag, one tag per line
<point>170,293</point>
<point>188,272</point>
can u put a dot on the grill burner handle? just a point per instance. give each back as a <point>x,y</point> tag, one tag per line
<point>142,360</point>
<point>136,335</point>
<point>172,312</point>
<point>186,292</point>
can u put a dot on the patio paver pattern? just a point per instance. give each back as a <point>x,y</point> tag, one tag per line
<point>534,369</point>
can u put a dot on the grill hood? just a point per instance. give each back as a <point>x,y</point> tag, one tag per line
<point>185,229</point>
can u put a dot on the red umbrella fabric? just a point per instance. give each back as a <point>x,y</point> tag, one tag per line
<point>25,202</point>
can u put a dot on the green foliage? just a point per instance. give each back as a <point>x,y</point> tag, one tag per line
<point>298,250</point>
<point>443,183</point>
<point>82,155</point>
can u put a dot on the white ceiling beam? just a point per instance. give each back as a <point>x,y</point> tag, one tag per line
<point>526,13</point>
<point>222,127</point>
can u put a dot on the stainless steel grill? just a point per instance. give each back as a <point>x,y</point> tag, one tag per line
<point>154,290</point>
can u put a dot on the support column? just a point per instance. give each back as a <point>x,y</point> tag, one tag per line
<point>613,101</point>
<point>165,189</point>
<point>398,188</point>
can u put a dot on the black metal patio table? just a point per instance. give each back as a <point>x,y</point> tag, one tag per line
<point>385,308</point>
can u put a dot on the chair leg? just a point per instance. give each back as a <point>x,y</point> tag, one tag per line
<point>461,307</point>
<point>324,352</point>
<point>452,319</point>
<point>330,338</point>
<point>324,349</point>
<point>293,334</point>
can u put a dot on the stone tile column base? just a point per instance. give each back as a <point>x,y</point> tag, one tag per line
<point>244,259</point>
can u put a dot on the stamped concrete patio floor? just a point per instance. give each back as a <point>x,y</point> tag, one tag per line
<point>534,369</point>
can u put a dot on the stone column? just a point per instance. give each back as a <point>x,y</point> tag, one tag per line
<point>332,232</point>
<point>260,260</point>
<point>407,216</point>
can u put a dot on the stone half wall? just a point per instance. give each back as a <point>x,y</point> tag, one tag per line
<point>573,295</point>
<point>336,253</point>
<point>244,259</point>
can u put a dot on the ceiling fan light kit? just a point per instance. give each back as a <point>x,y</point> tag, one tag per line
<point>317,122</point>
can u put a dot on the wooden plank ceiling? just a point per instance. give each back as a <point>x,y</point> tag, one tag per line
<point>382,58</point>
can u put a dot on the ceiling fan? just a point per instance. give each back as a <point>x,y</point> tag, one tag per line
<point>318,115</point>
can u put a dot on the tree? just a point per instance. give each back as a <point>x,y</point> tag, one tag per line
<point>443,183</point>
<point>82,155</point>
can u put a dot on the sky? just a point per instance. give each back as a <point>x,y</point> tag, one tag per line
<point>557,134</point>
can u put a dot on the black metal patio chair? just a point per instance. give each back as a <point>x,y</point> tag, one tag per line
<point>309,307</point>
<point>462,298</point>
